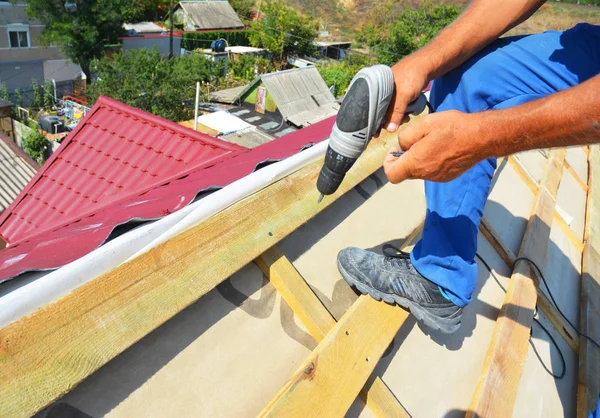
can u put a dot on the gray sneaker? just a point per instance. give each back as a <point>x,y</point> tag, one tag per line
<point>393,279</point>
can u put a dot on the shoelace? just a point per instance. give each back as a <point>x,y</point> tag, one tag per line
<point>394,252</point>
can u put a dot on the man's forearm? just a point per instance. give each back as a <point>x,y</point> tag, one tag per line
<point>482,22</point>
<point>567,118</point>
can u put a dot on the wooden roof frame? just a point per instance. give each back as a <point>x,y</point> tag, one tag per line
<point>45,354</point>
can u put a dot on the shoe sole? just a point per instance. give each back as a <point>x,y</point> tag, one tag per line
<point>415,309</point>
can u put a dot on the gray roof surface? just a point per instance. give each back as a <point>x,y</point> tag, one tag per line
<point>228,96</point>
<point>143,27</point>
<point>15,172</point>
<point>248,138</point>
<point>211,14</point>
<point>301,95</point>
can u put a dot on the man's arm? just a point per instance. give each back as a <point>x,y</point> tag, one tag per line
<point>482,22</point>
<point>443,145</point>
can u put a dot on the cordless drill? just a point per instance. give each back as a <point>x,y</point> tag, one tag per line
<point>359,118</point>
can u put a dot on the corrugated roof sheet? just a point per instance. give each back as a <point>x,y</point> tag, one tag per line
<point>228,96</point>
<point>117,151</point>
<point>249,138</point>
<point>212,14</point>
<point>61,245</point>
<point>16,170</point>
<point>301,95</point>
<point>143,27</point>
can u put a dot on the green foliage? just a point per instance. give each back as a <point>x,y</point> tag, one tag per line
<point>340,73</point>
<point>36,146</point>
<point>144,79</point>
<point>4,92</point>
<point>37,101</point>
<point>411,30</point>
<point>48,95</point>
<point>83,33</point>
<point>283,31</point>
<point>18,98</point>
<point>243,67</point>
<point>145,10</point>
<point>244,8</point>
<point>195,40</point>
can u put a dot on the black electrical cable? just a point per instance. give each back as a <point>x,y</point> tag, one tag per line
<point>552,340</point>
<point>581,334</point>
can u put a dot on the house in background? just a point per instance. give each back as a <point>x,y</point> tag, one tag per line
<point>23,59</point>
<point>207,15</point>
<point>300,95</point>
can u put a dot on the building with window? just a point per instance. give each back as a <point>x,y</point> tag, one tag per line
<point>22,58</point>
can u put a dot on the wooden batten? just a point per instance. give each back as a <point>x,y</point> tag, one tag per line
<point>496,389</point>
<point>588,386</point>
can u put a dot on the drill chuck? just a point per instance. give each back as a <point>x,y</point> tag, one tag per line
<point>334,169</point>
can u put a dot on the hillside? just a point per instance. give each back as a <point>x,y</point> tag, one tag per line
<point>344,18</point>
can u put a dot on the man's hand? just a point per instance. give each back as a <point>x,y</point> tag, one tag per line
<point>410,78</point>
<point>439,147</point>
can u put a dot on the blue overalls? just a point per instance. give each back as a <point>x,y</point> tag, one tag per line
<point>509,72</point>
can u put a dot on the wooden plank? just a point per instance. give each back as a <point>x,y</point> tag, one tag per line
<point>497,386</point>
<point>48,352</point>
<point>319,321</point>
<point>329,380</point>
<point>579,181</point>
<point>533,186</point>
<point>588,380</point>
<point>544,304</point>
<point>529,181</point>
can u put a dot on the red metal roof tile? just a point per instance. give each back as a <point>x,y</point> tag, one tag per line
<point>85,233</point>
<point>115,152</point>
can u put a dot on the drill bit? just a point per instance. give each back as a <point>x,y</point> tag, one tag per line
<point>320,198</point>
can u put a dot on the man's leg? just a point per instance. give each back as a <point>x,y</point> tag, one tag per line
<point>441,275</point>
<point>510,72</point>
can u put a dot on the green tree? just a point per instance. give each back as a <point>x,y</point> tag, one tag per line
<point>339,74</point>
<point>4,92</point>
<point>18,98</point>
<point>144,79</point>
<point>244,8</point>
<point>82,33</point>
<point>283,31</point>
<point>36,146</point>
<point>245,67</point>
<point>48,95</point>
<point>37,101</point>
<point>411,30</point>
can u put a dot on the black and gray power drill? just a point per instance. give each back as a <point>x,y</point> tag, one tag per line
<point>359,118</point>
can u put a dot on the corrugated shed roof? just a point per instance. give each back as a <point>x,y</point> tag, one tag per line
<point>228,96</point>
<point>301,95</point>
<point>115,152</point>
<point>16,170</point>
<point>249,138</point>
<point>212,14</point>
<point>143,27</point>
<point>85,233</point>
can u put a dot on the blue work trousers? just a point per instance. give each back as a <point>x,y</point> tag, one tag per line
<point>510,72</point>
